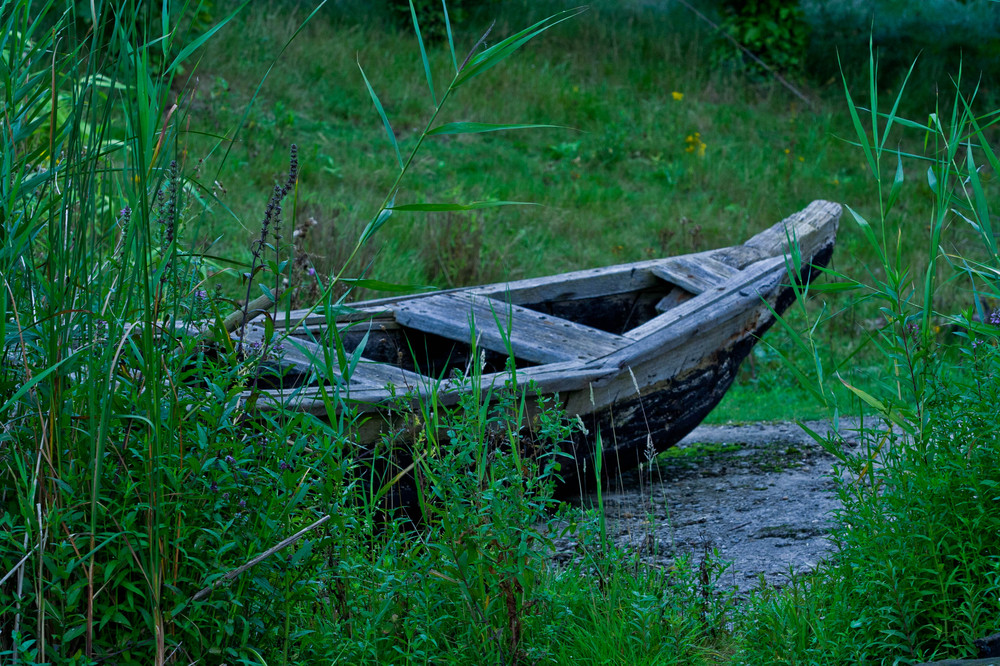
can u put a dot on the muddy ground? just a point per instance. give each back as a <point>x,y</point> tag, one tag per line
<point>760,495</point>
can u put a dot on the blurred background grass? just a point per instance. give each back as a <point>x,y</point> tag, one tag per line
<point>666,147</point>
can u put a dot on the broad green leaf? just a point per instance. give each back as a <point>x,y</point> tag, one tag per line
<point>75,632</point>
<point>381,113</point>
<point>906,123</point>
<point>375,225</point>
<point>891,414</point>
<point>356,356</point>
<point>897,182</point>
<point>423,52</point>
<point>379,285</point>
<point>341,311</point>
<point>499,52</point>
<point>867,229</point>
<point>447,207</point>
<point>932,180</point>
<point>268,329</point>
<point>834,287</point>
<point>477,128</point>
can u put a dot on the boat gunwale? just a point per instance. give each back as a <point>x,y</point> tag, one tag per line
<point>662,334</point>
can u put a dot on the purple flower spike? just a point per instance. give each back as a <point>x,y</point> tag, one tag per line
<point>995,317</point>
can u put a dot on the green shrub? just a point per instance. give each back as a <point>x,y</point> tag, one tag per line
<point>775,31</point>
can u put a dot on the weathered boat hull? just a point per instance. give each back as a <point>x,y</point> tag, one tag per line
<point>640,352</point>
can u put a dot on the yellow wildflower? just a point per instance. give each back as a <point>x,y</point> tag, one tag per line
<point>694,143</point>
<point>678,96</point>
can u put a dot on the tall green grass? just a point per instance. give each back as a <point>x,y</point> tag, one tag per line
<point>150,513</point>
<point>915,575</point>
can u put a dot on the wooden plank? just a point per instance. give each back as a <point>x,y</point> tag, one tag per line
<point>534,337</point>
<point>550,379</point>
<point>298,355</point>
<point>682,322</point>
<point>695,274</point>
<point>585,284</point>
<point>811,227</point>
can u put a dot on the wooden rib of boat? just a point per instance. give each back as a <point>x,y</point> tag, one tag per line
<point>641,352</point>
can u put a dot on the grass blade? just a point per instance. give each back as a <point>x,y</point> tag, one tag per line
<point>858,127</point>
<point>451,39</point>
<point>449,207</point>
<point>381,113</point>
<point>197,43</point>
<point>478,128</point>
<point>423,52</point>
<point>980,202</point>
<point>891,118</point>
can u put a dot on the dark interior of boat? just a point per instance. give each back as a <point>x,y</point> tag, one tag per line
<point>425,353</point>
<point>616,313</point>
<point>436,356</point>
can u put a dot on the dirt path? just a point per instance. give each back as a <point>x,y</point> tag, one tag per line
<point>759,494</point>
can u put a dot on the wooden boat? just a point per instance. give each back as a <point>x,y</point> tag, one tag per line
<point>640,352</point>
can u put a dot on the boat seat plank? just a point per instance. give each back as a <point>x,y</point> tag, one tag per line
<point>534,336</point>
<point>303,356</point>
<point>695,274</point>
<point>370,374</point>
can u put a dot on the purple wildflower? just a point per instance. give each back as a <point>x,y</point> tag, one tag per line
<point>230,460</point>
<point>995,317</point>
<point>284,465</point>
<point>243,504</point>
<point>310,271</point>
<point>215,487</point>
<point>976,343</point>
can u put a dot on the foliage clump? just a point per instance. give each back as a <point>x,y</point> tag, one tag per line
<point>774,31</point>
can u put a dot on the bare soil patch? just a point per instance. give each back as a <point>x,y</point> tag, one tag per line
<point>760,495</point>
